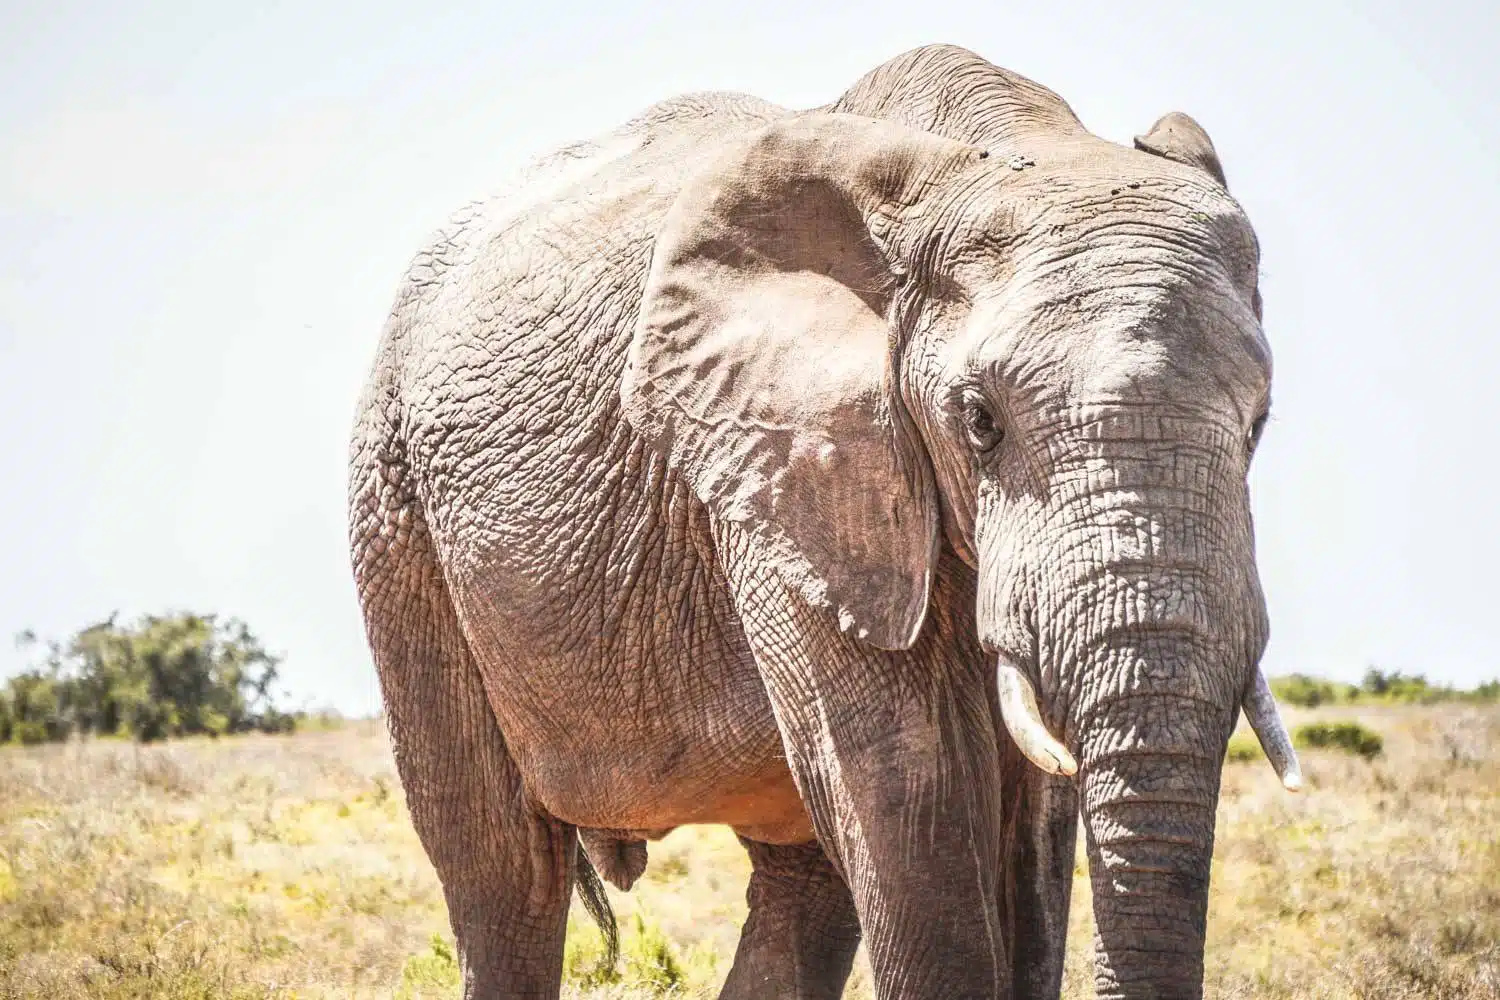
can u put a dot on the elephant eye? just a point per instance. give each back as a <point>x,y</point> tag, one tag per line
<point>979,423</point>
<point>1256,430</point>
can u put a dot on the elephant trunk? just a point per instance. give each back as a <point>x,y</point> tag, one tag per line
<point>1156,641</point>
<point>1149,786</point>
<point>1149,826</point>
<point>1134,592</point>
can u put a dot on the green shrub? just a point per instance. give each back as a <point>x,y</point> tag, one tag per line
<point>432,973</point>
<point>1243,749</point>
<point>647,958</point>
<point>158,677</point>
<point>583,956</point>
<point>1403,688</point>
<point>650,959</point>
<point>1310,692</point>
<point>1377,686</point>
<point>1349,737</point>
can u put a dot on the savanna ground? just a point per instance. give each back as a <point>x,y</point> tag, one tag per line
<point>284,866</point>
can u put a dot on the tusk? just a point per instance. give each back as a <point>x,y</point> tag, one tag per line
<point>1024,722</point>
<point>1260,710</point>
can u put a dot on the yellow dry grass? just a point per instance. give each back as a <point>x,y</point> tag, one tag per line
<point>286,867</point>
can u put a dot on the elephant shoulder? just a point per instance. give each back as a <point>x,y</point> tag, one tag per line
<point>573,209</point>
<point>650,151</point>
<point>589,177</point>
<point>568,230</point>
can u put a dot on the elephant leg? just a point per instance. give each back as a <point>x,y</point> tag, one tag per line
<point>799,940</point>
<point>1043,880</point>
<point>506,870</point>
<point>895,755</point>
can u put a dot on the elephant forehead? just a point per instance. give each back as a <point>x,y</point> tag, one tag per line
<point>1120,197</point>
<point>1128,329</point>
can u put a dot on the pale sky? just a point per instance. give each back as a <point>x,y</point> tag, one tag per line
<point>205,207</point>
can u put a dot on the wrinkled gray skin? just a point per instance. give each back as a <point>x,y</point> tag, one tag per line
<point>703,476</point>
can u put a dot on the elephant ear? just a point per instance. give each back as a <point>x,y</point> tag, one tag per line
<point>762,362</point>
<point>1178,137</point>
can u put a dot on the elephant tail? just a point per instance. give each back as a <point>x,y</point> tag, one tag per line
<point>591,891</point>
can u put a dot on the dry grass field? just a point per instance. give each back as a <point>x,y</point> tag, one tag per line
<point>285,867</point>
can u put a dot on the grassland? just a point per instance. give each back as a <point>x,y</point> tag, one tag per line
<point>282,867</point>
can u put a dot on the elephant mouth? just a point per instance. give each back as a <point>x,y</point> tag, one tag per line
<point>1023,720</point>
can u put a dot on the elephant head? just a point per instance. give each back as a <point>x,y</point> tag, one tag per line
<point>861,342</point>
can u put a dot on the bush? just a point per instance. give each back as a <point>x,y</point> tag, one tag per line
<point>1378,686</point>
<point>1349,737</point>
<point>1399,687</point>
<point>432,973</point>
<point>159,677</point>
<point>1310,692</point>
<point>648,959</point>
<point>1243,748</point>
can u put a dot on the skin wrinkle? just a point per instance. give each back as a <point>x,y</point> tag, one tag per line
<point>663,510</point>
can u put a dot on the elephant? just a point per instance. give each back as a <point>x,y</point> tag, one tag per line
<point>871,480</point>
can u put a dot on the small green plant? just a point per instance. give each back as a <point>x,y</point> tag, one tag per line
<point>431,973</point>
<point>650,959</point>
<point>1349,737</point>
<point>647,957</point>
<point>583,956</point>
